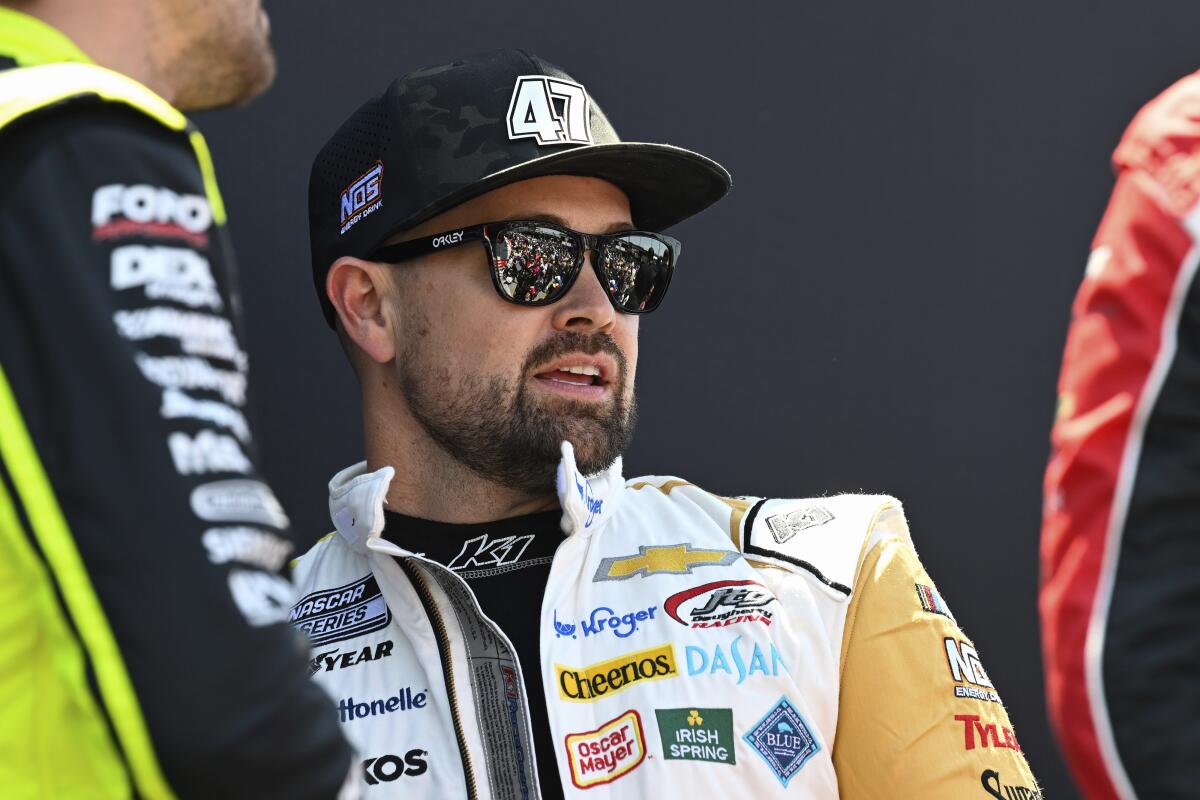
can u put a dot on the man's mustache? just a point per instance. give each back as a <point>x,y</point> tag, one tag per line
<point>569,342</point>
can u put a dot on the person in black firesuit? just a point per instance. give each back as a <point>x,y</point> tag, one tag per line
<point>143,644</point>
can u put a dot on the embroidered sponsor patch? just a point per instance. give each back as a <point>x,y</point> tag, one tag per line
<point>721,603</point>
<point>732,660</point>
<point>601,756</point>
<point>977,733</point>
<point>965,666</point>
<point>697,734</point>
<point>404,700</point>
<point>483,557</point>
<point>604,620</point>
<point>362,197</point>
<point>783,740</point>
<point>990,780</point>
<point>389,767</point>
<point>669,559</point>
<point>932,602</point>
<point>332,615</point>
<point>585,684</point>
<point>330,660</point>
<point>549,110</point>
<point>785,526</point>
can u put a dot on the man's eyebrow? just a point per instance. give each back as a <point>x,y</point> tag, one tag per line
<point>616,227</point>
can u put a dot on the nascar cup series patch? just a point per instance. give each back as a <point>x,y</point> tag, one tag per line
<point>334,615</point>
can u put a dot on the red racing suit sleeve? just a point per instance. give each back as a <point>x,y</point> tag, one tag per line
<point>1120,549</point>
<point>123,369</point>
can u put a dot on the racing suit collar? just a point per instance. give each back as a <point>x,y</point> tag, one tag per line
<point>30,42</point>
<point>356,498</point>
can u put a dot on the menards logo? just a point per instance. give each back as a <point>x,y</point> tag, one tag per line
<point>585,684</point>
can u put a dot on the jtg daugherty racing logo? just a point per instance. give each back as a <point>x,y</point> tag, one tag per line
<point>721,603</point>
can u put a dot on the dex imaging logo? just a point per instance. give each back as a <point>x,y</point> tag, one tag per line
<point>362,197</point>
<point>549,110</point>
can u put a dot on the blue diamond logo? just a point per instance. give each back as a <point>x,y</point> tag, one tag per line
<point>783,740</point>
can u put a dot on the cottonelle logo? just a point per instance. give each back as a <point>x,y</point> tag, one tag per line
<point>609,677</point>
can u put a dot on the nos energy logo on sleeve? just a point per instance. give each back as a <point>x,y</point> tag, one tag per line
<point>333,615</point>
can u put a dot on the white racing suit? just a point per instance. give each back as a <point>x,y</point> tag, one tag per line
<point>770,648</point>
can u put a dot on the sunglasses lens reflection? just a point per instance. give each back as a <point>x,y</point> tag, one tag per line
<point>533,263</point>
<point>637,269</point>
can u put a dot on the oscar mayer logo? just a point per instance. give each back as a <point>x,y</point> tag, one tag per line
<point>362,197</point>
<point>605,754</point>
<point>585,684</point>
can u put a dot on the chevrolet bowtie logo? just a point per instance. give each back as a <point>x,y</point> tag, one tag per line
<point>669,559</point>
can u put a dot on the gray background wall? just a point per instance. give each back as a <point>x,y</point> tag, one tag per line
<point>880,304</point>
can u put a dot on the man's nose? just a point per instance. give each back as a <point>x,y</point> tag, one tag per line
<point>586,306</point>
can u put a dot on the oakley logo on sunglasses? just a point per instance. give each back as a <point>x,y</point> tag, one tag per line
<point>447,238</point>
<point>362,197</point>
<point>550,110</point>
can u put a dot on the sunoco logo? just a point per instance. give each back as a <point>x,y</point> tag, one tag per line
<point>609,677</point>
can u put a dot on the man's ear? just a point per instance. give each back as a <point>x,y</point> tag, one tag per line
<point>357,289</point>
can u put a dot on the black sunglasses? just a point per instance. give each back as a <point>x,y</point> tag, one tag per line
<point>536,263</point>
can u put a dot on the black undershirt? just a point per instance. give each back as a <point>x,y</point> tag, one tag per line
<point>509,579</point>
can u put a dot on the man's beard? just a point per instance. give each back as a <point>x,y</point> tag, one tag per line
<point>505,435</point>
<point>227,58</point>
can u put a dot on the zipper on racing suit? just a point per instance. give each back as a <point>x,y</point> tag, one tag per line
<point>443,640</point>
<point>534,789</point>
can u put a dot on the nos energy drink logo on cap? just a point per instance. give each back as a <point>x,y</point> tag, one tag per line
<point>363,197</point>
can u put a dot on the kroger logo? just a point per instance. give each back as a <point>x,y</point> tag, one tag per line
<point>604,619</point>
<point>592,503</point>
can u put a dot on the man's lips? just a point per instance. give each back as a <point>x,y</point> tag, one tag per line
<point>578,375</point>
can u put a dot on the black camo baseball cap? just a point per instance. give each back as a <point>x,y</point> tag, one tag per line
<point>440,136</point>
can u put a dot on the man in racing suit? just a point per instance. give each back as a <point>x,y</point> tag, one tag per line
<point>1120,589</point>
<point>484,245</point>
<point>142,645</point>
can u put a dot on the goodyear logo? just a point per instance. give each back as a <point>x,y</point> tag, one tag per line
<point>669,559</point>
<point>585,684</point>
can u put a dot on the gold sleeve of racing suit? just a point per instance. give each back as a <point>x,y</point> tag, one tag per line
<point>918,715</point>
